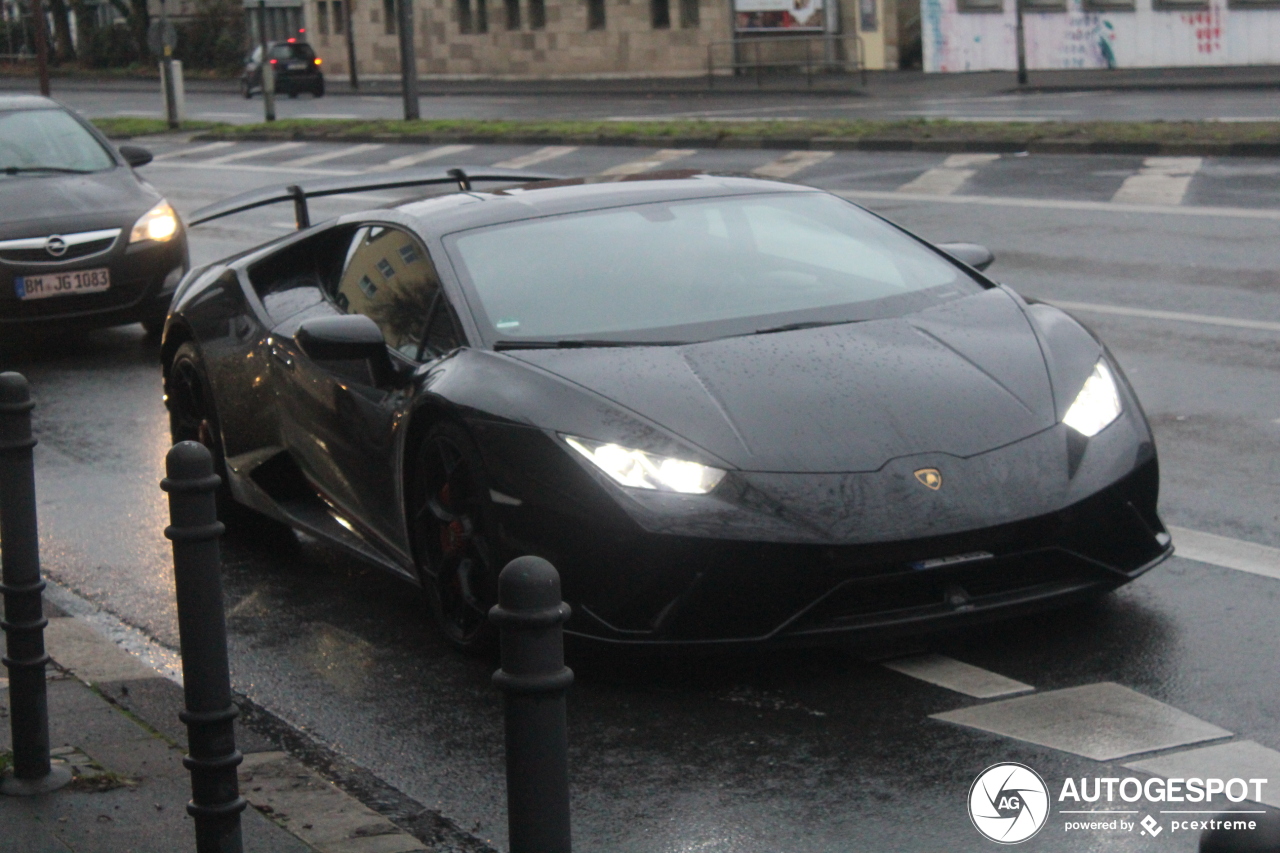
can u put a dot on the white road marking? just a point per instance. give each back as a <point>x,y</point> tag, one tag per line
<point>325,156</point>
<point>1099,721</point>
<point>958,676</point>
<point>788,164</point>
<point>1178,316</point>
<point>1242,759</point>
<point>240,167</point>
<point>950,176</point>
<point>1228,553</point>
<point>542,155</point>
<point>421,157</point>
<point>186,152</point>
<point>253,152</point>
<point>1064,204</point>
<point>653,161</point>
<point>1161,180</point>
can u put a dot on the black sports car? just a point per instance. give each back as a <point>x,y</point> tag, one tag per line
<point>83,240</point>
<point>727,409</point>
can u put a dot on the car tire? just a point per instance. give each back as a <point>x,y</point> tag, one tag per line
<point>318,90</point>
<point>458,543</point>
<point>246,90</point>
<point>193,417</point>
<point>293,93</point>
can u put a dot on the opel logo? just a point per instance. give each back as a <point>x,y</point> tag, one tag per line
<point>55,246</point>
<point>930,477</point>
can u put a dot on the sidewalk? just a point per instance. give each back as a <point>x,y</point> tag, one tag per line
<point>115,722</point>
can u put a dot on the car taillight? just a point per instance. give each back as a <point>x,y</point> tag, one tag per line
<point>274,61</point>
<point>317,60</point>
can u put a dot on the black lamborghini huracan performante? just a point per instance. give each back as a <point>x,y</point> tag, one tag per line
<point>727,409</point>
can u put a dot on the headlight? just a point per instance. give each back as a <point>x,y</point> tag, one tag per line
<point>159,224</point>
<point>642,470</point>
<point>1097,404</point>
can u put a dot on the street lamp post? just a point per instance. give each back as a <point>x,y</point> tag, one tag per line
<point>408,61</point>
<point>268,77</point>
<point>42,46</point>
<point>1022,45</point>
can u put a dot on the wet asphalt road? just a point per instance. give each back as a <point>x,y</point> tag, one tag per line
<point>817,750</point>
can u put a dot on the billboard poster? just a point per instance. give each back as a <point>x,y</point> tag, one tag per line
<point>778,15</point>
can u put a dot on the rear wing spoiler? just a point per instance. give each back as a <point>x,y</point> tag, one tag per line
<point>299,194</point>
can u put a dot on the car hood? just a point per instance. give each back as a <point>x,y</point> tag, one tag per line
<point>37,205</point>
<point>961,378</point>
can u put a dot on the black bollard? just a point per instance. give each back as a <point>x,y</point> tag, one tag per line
<point>534,679</point>
<point>202,627</point>
<point>23,608</point>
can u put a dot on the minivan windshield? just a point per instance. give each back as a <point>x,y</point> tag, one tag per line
<point>695,270</point>
<point>49,141</point>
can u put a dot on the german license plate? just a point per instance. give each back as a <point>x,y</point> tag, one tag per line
<point>297,66</point>
<point>62,283</point>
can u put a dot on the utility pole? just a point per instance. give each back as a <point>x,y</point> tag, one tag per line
<point>1022,45</point>
<point>351,41</point>
<point>42,46</point>
<point>268,73</point>
<point>408,61</point>
<point>170,93</point>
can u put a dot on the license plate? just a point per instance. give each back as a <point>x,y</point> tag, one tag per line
<point>62,283</point>
<point>296,66</point>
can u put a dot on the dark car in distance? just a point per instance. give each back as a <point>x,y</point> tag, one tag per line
<point>84,241</point>
<point>728,410</point>
<point>294,64</point>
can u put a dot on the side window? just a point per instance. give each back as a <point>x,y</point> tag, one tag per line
<point>389,278</point>
<point>442,332</point>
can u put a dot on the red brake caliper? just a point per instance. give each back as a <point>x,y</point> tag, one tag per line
<point>453,535</point>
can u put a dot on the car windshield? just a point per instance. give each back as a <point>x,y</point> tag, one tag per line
<point>695,270</point>
<point>33,141</point>
<point>292,51</point>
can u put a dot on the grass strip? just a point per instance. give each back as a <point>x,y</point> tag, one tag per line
<point>814,133</point>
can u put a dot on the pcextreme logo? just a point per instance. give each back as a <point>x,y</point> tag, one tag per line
<point>1008,803</point>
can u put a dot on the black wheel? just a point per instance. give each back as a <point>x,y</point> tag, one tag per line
<point>193,417</point>
<point>458,543</point>
<point>245,89</point>
<point>318,89</point>
<point>293,93</point>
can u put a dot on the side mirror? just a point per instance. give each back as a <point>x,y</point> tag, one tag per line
<point>348,338</point>
<point>135,155</point>
<point>978,257</point>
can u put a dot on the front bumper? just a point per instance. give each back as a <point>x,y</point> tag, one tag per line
<point>649,589</point>
<point>143,279</point>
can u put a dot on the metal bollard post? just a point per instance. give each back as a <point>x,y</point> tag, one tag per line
<point>23,609</point>
<point>534,679</point>
<point>212,759</point>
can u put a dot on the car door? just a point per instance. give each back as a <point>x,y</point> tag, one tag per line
<point>342,425</point>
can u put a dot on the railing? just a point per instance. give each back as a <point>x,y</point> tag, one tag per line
<point>758,54</point>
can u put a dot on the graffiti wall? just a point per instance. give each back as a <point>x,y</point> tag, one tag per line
<point>960,41</point>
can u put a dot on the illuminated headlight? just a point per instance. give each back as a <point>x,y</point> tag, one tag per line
<point>1097,404</point>
<point>159,224</point>
<point>642,470</point>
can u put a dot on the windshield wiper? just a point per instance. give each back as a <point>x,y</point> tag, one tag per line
<point>17,170</point>
<point>580,344</point>
<point>807,324</point>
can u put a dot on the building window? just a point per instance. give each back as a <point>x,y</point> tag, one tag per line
<point>660,14</point>
<point>1110,6</point>
<point>595,14</point>
<point>322,17</point>
<point>1044,5</point>
<point>339,17</point>
<point>1180,5</point>
<point>465,23</point>
<point>537,15</point>
<point>389,16</point>
<point>992,6</point>
<point>482,16</point>
<point>689,14</point>
<point>513,14</point>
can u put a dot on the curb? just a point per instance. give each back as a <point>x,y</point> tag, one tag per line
<point>326,801</point>
<point>941,146</point>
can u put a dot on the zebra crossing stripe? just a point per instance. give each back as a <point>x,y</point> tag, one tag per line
<point>789,164</point>
<point>253,152</point>
<point>421,157</point>
<point>1161,180</point>
<point>325,156</point>
<point>958,676</point>
<point>542,155</point>
<point>186,152</point>
<point>950,176</point>
<point>1228,553</point>
<point>653,161</point>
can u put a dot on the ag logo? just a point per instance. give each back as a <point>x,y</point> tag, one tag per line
<point>930,477</point>
<point>1008,803</point>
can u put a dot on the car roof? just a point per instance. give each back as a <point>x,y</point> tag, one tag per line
<point>450,213</point>
<point>28,102</point>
